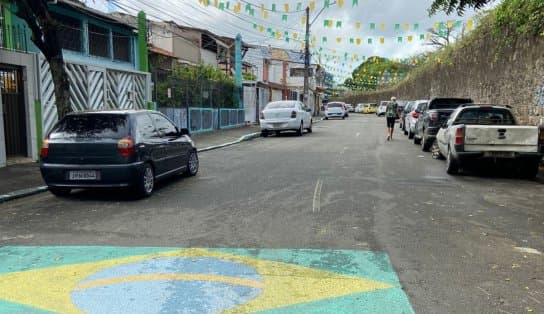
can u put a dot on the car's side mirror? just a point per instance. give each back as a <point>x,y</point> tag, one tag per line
<point>183,131</point>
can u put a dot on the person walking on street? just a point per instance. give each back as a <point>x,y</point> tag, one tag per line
<point>391,114</point>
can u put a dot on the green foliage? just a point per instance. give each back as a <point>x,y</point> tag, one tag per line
<point>375,70</point>
<point>197,86</point>
<point>249,77</point>
<point>519,17</point>
<point>449,6</point>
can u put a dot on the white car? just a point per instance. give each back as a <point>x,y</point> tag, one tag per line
<point>335,109</point>
<point>350,108</point>
<point>381,108</point>
<point>285,115</point>
<point>412,115</point>
<point>359,108</point>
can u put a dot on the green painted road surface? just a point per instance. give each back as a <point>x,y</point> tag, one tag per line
<point>82,279</point>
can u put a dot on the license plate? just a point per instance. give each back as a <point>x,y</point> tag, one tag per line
<point>84,175</point>
<point>499,154</point>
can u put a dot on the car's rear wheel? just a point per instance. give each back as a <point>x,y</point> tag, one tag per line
<point>59,191</point>
<point>326,118</point>
<point>192,164</point>
<point>264,133</point>
<point>146,183</point>
<point>300,130</point>
<point>529,169</point>
<point>452,165</point>
<point>425,145</point>
<point>310,128</point>
<point>417,140</point>
<point>435,151</point>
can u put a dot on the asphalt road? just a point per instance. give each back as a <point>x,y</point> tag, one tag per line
<point>463,244</point>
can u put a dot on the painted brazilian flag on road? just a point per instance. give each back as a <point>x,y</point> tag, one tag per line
<point>177,280</point>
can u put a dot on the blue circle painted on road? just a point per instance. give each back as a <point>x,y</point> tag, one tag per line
<point>164,295</point>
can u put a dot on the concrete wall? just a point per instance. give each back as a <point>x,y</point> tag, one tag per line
<point>208,57</point>
<point>484,70</point>
<point>186,50</point>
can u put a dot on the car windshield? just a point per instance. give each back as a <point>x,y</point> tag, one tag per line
<point>335,105</point>
<point>485,116</point>
<point>91,125</point>
<point>281,105</point>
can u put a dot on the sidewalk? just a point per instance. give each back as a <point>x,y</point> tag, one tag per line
<point>25,179</point>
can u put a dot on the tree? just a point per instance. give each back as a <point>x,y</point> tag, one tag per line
<point>45,29</point>
<point>449,6</point>
<point>444,36</point>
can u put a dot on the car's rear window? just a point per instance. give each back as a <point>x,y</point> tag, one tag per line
<point>421,105</point>
<point>92,125</point>
<point>335,105</point>
<point>280,105</point>
<point>484,116</point>
<point>448,103</point>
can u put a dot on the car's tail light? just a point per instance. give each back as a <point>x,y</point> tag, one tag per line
<point>261,116</point>
<point>541,139</point>
<point>433,116</point>
<point>45,148</point>
<point>326,108</point>
<point>126,146</point>
<point>415,115</point>
<point>293,114</point>
<point>460,136</point>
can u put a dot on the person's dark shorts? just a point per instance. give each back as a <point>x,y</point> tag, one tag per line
<point>390,122</point>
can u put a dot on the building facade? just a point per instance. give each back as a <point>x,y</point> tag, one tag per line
<point>101,60</point>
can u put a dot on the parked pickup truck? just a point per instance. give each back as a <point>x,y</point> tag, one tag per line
<point>475,132</point>
<point>431,118</point>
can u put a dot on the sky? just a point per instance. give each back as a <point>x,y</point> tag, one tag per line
<point>339,57</point>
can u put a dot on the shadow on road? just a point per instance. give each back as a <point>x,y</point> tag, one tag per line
<point>120,194</point>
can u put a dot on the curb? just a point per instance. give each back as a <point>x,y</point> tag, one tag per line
<point>247,137</point>
<point>22,193</point>
<point>31,191</point>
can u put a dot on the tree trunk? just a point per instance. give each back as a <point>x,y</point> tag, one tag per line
<point>45,32</point>
<point>62,85</point>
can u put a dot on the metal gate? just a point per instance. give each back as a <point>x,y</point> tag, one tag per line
<point>13,109</point>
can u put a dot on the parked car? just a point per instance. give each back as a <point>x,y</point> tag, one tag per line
<point>411,115</point>
<point>433,115</point>
<point>335,109</point>
<point>370,108</point>
<point>285,115</point>
<point>111,149</point>
<point>359,108</point>
<point>488,132</point>
<point>350,108</point>
<point>406,111</point>
<point>381,108</point>
<point>401,104</point>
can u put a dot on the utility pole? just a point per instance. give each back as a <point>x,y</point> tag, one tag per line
<point>307,57</point>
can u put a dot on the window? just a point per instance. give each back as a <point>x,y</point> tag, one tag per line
<point>299,72</point>
<point>121,47</point>
<point>281,105</point>
<point>99,41</point>
<point>92,125</point>
<point>164,127</point>
<point>485,116</point>
<point>69,31</point>
<point>145,127</point>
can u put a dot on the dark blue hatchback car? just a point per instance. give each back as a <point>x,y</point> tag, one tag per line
<point>107,149</point>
